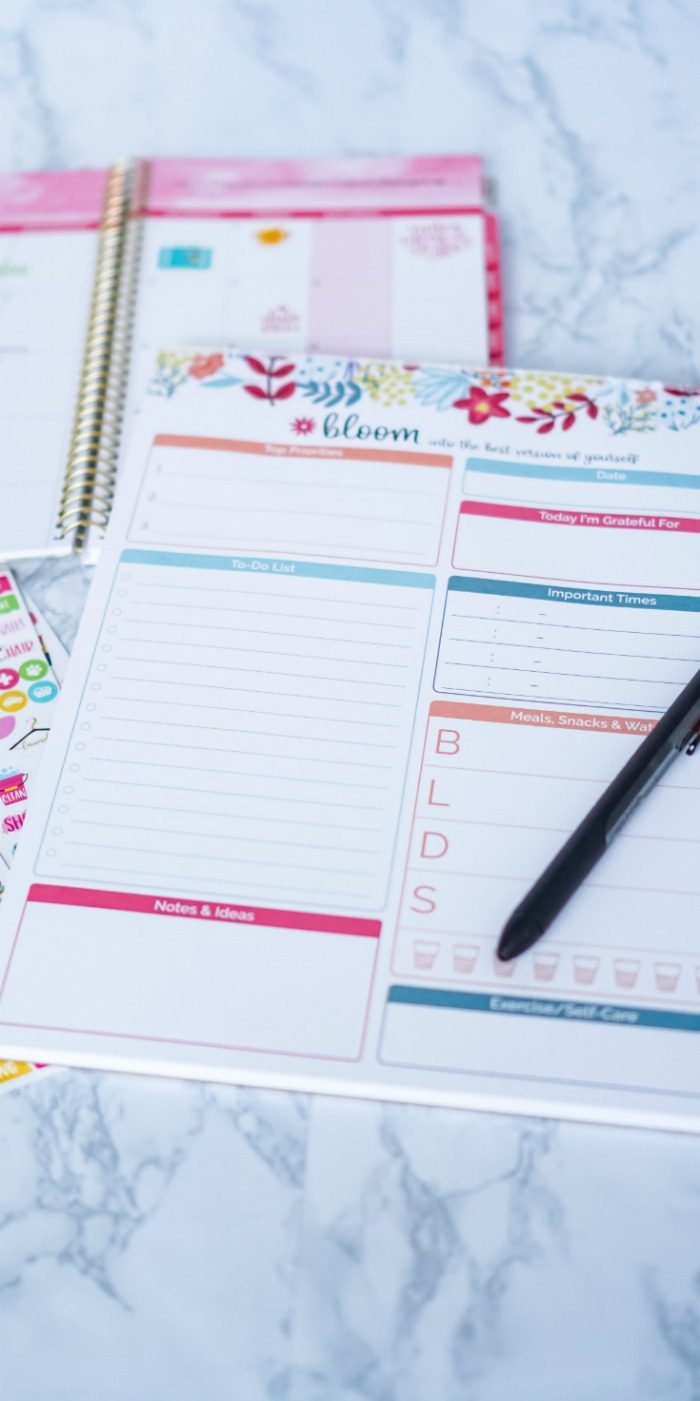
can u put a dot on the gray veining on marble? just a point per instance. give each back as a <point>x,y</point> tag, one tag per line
<point>164,1241</point>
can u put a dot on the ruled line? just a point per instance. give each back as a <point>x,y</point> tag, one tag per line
<point>236,730</point>
<point>303,597</point>
<point>248,710</point>
<point>260,671</point>
<point>270,652</point>
<point>242,773</point>
<point>270,613</point>
<point>248,817</point>
<point>226,793</point>
<point>250,690</point>
<point>263,632</point>
<point>575,627</point>
<point>228,837</point>
<point>573,651</point>
<point>230,861</point>
<point>250,753</point>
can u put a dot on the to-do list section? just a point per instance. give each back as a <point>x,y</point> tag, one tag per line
<point>244,730</point>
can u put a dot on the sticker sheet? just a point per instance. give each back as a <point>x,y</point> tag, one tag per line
<point>28,692</point>
<point>349,674</point>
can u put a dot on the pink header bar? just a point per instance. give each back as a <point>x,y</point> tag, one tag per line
<point>213,911</point>
<point>594,519</point>
<point>48,200</point>
<point>367,185</point>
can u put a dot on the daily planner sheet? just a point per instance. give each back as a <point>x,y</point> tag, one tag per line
<point>353,665</point>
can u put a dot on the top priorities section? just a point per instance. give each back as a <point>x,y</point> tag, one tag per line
<point>341,503</point>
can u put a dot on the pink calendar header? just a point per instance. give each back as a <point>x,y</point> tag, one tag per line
<point>372,184</point>
<point>47,200</point>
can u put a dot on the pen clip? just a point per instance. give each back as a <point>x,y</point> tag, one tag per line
<point>693,741</point>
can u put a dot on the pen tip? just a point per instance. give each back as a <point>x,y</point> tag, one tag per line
<point>519,933</point>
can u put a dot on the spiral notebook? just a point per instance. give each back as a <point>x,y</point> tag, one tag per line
<point>361,257</point>
<point>352,666</point>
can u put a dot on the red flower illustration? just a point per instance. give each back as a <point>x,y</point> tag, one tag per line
<point>205,365</point>
<point>303,425</point>
<point>481,405</point>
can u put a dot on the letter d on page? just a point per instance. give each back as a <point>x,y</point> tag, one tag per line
<point>433,845</point>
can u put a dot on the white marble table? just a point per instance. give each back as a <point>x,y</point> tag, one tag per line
<point>163,1241</point>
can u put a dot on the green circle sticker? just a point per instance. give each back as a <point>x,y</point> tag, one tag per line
<point>34,669</point>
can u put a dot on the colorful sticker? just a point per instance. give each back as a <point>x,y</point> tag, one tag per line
<point>184,258</point>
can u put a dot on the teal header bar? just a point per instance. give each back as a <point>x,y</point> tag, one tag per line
<point>607,476</point>
<point>294,568</point>
<point>564,593</point>
<point>551,1009</point>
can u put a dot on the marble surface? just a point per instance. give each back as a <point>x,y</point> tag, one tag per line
<point>162,1240</point>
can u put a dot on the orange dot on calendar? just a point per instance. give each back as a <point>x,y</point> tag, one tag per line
<point>271,236</point>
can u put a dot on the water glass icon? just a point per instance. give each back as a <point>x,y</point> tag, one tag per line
<point>545,966</point>
<point>667,976</point>
<point>425,952</point>
<point>504,970</point>
<point>626,971</point>
<point>585,969</point>
<point>464,957</point>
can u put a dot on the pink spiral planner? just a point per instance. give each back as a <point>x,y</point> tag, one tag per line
<point>98,270</point>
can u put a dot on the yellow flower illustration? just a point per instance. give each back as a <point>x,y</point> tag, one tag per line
<point>171,359</point>
<point>386,384</point>
<point>536,390</point>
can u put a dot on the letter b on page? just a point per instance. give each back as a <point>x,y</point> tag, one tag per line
<point>447,742</point>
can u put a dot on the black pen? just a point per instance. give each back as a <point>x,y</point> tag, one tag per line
<point>678,729</point>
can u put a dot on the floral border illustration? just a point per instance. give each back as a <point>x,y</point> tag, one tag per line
<point>545,402</point>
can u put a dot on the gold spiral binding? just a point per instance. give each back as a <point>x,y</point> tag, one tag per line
<point>93,453</point>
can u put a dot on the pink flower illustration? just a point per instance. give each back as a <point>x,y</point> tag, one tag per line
<point>645,396</point>
<point>302,426</point>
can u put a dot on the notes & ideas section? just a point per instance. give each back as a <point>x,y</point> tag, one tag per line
<point>197,978</point>
<point>244,729</point>
<point>504,639</point>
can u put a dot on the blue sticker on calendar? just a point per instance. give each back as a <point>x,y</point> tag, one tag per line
<point>184,257</point>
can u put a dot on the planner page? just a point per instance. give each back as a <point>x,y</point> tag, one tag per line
<point>367,256</point>
<point>49,225</point>
<point>348,676</point>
